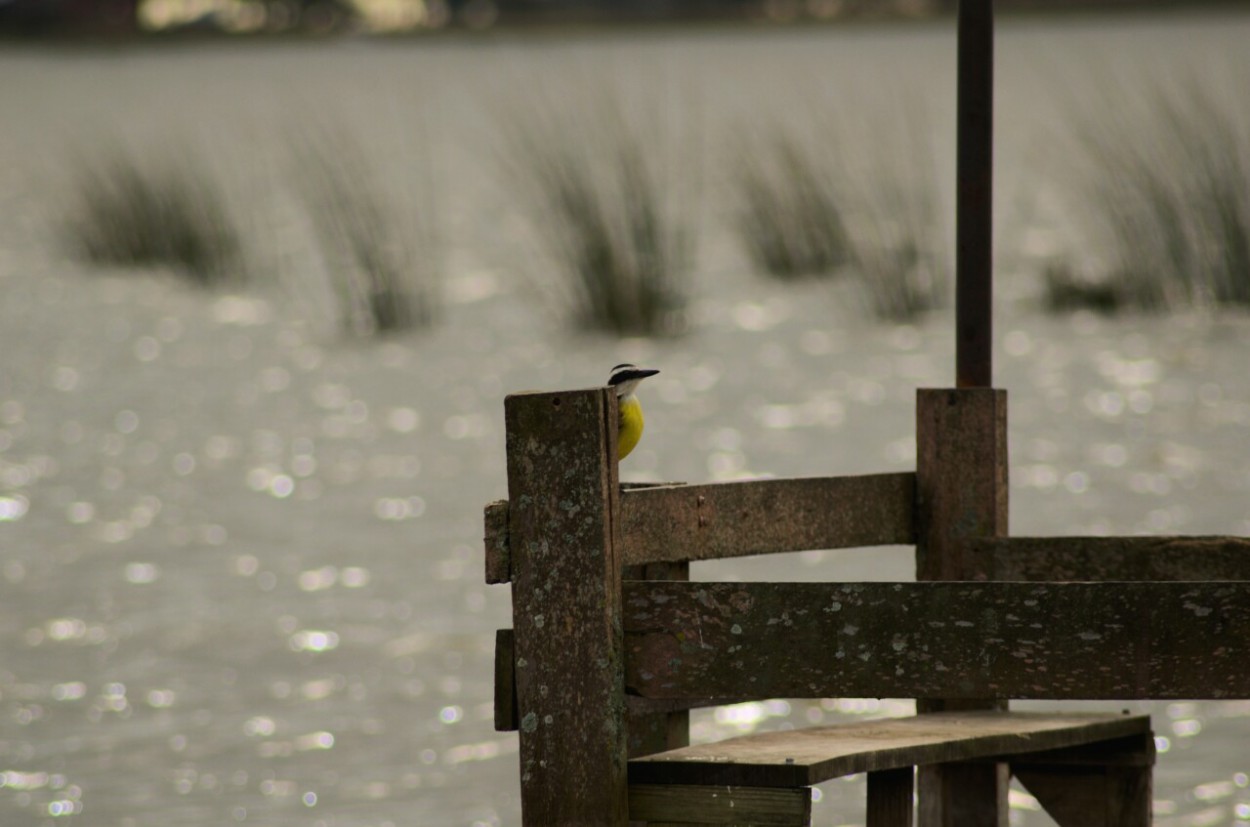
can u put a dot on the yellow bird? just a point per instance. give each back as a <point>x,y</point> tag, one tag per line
<point>625,379</point>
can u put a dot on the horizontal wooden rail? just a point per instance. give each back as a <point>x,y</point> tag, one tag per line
<point>1056,641</point>
<point>1111,558</point>
<point>737,519</point>
<point>677,523</point>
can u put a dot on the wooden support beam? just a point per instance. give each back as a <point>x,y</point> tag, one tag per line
<point>962,794</point>
<point>563,541</point>
<point>1103,785</point>
<point>1110,558</point>
<point>506,719</point>
<point>961,495</point>
<point>498,560</point>
<point>724,806</point>
<point>954,640</point>
<point>890,798</point>
<point>961,477</point>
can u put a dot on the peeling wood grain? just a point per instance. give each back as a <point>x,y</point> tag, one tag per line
<point>735,519</point>
<point>941,640</point>
<point>1111,558</point>
<point>805,757</point>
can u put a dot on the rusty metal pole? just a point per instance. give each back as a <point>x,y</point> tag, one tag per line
<point>974,330</point>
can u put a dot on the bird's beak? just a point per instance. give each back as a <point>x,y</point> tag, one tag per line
<point>645,372</point>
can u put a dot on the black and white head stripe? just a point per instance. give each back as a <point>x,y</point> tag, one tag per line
<point>626,376</point>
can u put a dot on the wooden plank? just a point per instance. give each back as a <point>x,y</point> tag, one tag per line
<point>676,523</point>
<point>1111,558</point>
<point>890,798</point>
<point>736,519</point>
<point>805,757</point>
<point>498,561</point>
<point>943,639</point>
<point>961,492</point>
<point>720,805</point>
<point>505,682</point>
<point>563,530</point>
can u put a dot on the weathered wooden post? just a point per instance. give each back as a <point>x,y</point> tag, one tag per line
<point>563,530</point>
<point>961,495</point>
<point>961,434</point>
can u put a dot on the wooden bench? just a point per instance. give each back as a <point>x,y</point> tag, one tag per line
<point>766,778</point>
<point>612,645</point>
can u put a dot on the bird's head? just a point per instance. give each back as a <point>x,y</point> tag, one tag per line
<point>626,377</point>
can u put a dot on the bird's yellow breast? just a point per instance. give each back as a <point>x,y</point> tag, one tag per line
<point>630,430</point>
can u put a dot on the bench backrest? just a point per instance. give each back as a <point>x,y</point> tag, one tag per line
<point>609,637</point>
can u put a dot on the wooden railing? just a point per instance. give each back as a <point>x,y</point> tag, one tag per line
<point>611,643</point>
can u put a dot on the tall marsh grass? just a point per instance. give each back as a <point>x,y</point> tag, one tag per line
<point>788,219</point>
<point>129,211</point>
<point>382,262</point>
<point>866,200</point>
<point>1165,180</point>
<point>611,207</point>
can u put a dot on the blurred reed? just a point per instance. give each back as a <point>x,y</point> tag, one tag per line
<point>382,263</point>
<point>134,210</point>
<point>788,217</point>
<point>866,198</point>
<point>1164,179</point>
<point>611,204</point>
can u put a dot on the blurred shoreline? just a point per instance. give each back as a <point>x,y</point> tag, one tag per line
<point>129,21</point>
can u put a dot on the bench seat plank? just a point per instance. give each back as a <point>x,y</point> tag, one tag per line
<point>804,757</point>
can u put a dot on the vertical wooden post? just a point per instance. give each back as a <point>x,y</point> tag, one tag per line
<point>563,528</point>
<point>961,476</point>
<point>961,493</point>
<point>890,794</point>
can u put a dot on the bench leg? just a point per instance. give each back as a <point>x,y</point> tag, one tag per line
<point>963,795</point>
<point>1103,785</point>
<point>890,798</point>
